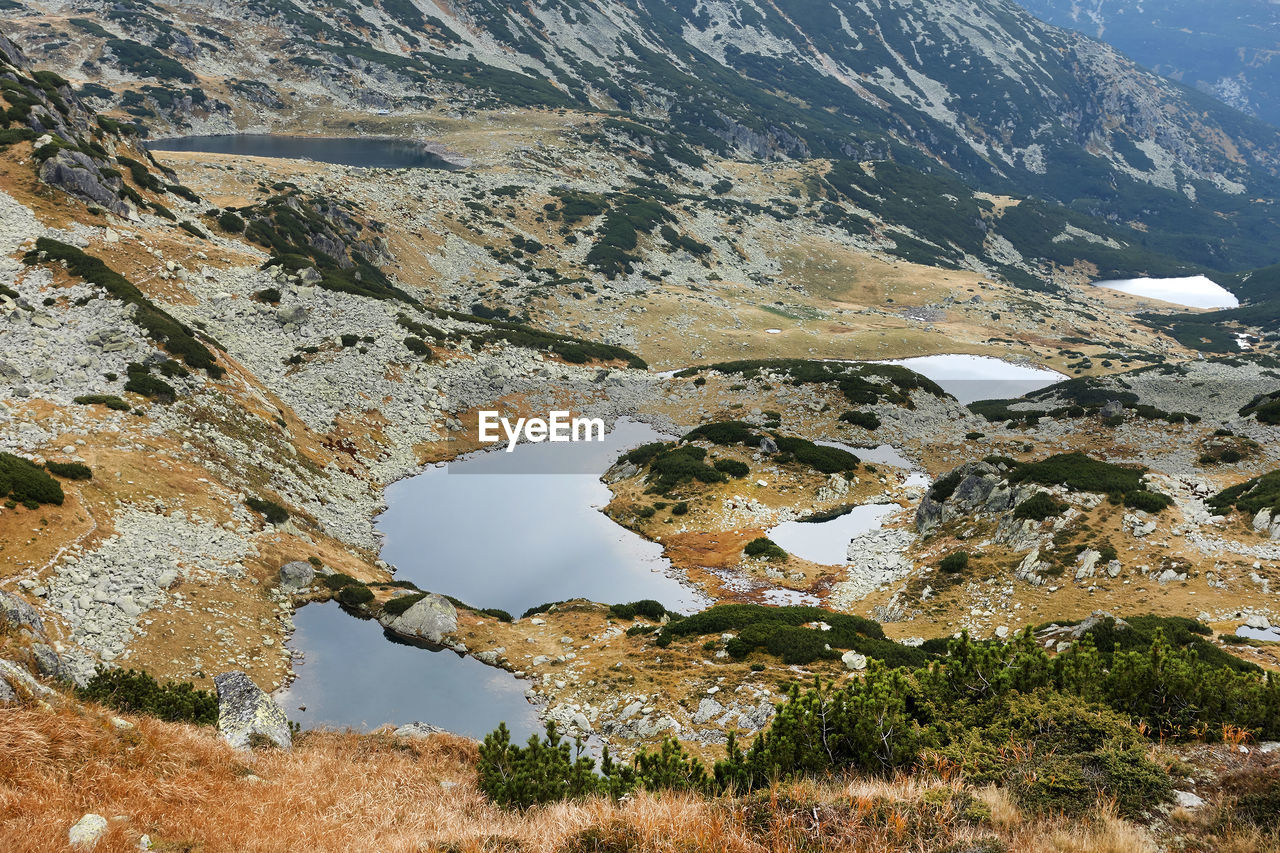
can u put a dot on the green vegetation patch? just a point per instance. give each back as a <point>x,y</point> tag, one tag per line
<point>1264,407</point>
<point>134,692</point>
<point>892,383</point>
<point>1251,496</point>
<point>27,483</point>
<point>764,548</point>
<point>271,511</point>
<point>69,470</point>
<point>1080,723</point>
<point>111,401</point>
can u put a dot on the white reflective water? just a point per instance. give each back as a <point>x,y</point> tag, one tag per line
<point>354,675</point>
<point>980,377</point>
<point>514,530</point>
<point>1194,291</point>
<point>827,542</point>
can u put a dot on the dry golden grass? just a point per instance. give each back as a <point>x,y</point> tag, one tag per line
<point>189,791</point>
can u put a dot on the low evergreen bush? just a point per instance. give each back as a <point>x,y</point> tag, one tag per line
<point>765,548</point>
<point>134,692</point>
<point>70,470</point>
<point>273,512</point>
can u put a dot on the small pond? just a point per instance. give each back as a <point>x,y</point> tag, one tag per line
<point>980,377</point>
<point>514,530</point>
<point>355,676</point>
<point>827,542</point>
<point>1194,291</point>
<point>371,152</point>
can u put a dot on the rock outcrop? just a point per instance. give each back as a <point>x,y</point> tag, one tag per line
<point>246,713</point>
<point>430,619</point>
<point>296,576</point>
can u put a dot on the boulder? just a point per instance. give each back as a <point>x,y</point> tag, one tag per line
<point>1088,561</point>
<point>75,173</point>
<point>768,445</point>
<point>15,614</point>
<point>47,662</point>
<point>854,661</point>
<point>1262,521</point>
<point>296,576</point>
<point>418,730</point>
<point>84,834</point>
<point>244,710</point>
<point>295,314</point>
<point>431,618</point>
<point>8,696</point>
<point>707,709</point>
<point>20,680</point>
<point>1112,409</point>
<point>1188,800</point>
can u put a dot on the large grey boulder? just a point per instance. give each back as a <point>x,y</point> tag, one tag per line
<point>15,614</point>
<point>430,619</point>
<point>20,681</point>
<point>244,710</point>
<point>296,576</point>
<point>47,662</point>
<point>77,174</point>
<point>1112,409</point>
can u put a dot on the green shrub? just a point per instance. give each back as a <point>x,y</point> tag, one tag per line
<point>955,562</point>
<point>27,483</point>
<point>400,604</point>
<point>1079,472</point>
<point>647,608</point>
<point>152,387</point>
<point>69,470</point>
<point>1039,506</point>
<point>723,433</point>
<point>417,346</point>
<point>828,460</point>
<point>230,222</point>
<point>349,340</point>
<point>270,295</point>
<point>866,420</point>
<point>1147,501</point>
<point>732,467</point>
<point>111,401</point>
<point>1071,784</point>
<point>672,468</point>
<point>338,580</point>
<point>134,692</point>
<point>355,594</point>
<point>681,508</point>
<point>271,511</point>
<point>765,548</point>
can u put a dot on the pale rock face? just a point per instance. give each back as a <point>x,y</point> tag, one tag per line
<point>430,619</point>
<point>245,710</point>
<point>84,834</point>
<point>854,661</point>
<point>296,576</point>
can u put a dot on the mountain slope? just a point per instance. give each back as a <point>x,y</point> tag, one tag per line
<point>1227,49</point>
<point>979,90</point>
